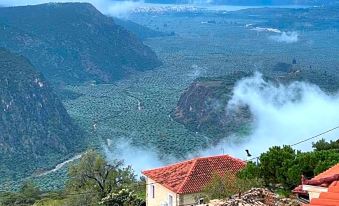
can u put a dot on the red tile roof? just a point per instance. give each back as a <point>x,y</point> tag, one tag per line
<point>330,198</point>
<point>324,179</point>
<point>327,179</point>
<point>328,173</point>
<point>193,175</point>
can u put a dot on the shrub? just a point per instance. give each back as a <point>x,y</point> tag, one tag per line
<point>124,197</point>
<point>284,166</point>
<point>226,185</point>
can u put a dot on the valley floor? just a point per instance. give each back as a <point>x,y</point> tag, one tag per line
<point>138,108</point>
<point>134,114</point>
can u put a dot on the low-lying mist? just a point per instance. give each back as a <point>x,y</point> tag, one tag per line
<point>279,36</point>
<point>286,37</point>
<point>283,114</point>
<point>140,159</point>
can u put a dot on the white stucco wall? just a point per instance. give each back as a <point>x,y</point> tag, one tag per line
<point>161,194</point>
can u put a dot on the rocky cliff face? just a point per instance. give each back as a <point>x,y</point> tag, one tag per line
<point>202,107</point>
<point>73,42</point>
<point>35,128</point>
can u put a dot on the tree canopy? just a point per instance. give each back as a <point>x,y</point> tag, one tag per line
<point>101,179</point>
<point>284,166</point>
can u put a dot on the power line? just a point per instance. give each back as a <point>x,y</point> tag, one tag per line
<point>292,145</point>
<point>160,182</point>
<point>305,140</point>
<point>318,135</point>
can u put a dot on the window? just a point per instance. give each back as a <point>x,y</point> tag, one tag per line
<point>170,200</point>
<point>152,190</point>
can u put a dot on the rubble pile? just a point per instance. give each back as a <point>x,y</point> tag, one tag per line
<point>253,197</point>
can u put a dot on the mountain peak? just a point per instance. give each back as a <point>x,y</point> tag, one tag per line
<point>74,42</point>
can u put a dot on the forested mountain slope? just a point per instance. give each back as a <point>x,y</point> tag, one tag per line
<point>73,42</point>
<point>36,130</point>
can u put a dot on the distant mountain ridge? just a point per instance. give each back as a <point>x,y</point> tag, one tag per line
<point>251,2</point>
<point>36,130</point>
<point>141,31</point>
<point>73,42</point>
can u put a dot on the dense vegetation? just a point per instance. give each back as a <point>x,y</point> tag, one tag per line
<point>284,166</point>
<point>279,169</point>
<point>92,181</point>
<point>28,194</point>
<point>73,42</point>
<point>111,111</point>
<point>36,130</point>
<point>198,50</point>
<point>228,184</point>
<point>140,31</point>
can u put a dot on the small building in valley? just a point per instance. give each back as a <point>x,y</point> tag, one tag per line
<point>183,183</point>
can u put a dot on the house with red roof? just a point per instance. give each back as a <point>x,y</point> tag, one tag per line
<point>323,189</point>
<point>182,183</point>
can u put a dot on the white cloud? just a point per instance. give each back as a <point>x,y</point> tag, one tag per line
<point>286,37</point>
<point>283,114</point>
<point>140,159</point>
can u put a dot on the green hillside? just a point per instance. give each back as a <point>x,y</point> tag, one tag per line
<point>36,130</point>
<point>73,42</point>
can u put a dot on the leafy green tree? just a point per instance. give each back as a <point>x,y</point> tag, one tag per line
<point>10,198</point>
<point>30,190</point>
<point>323,145</point>
<point>251,171</point>
<point>273,164</point>
<point>93,175</point>
<point>284,166</point>
<point>28,194</point>
<point>309,164</point>
<point>124,197</point>
<point>139,188</point>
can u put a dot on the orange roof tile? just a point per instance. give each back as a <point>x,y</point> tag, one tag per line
<point>328,173</point>
<point>193,175</point>
<point>330,198</point>
<point>324,179</point>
